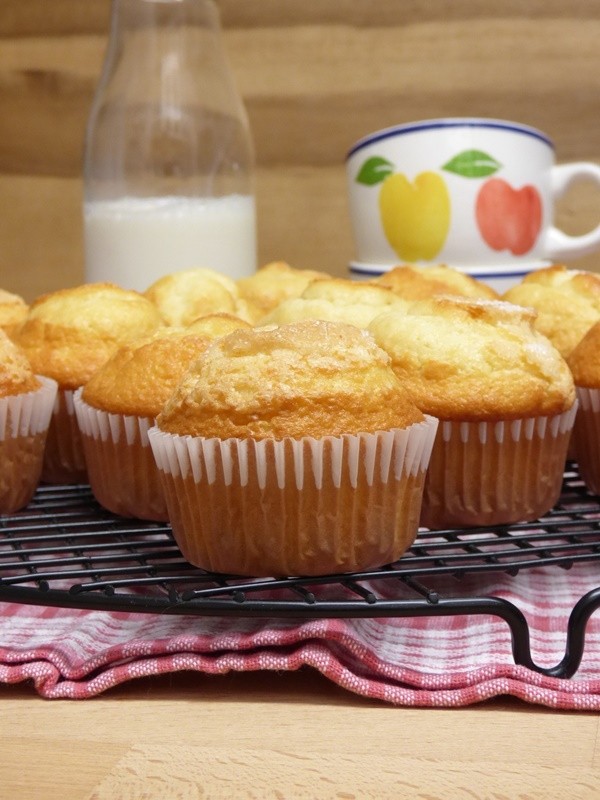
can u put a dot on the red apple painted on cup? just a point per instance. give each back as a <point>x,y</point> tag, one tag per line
<point>508,218</point>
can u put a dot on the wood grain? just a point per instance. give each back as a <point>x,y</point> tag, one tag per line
<point>179,771</point>
<point>286,736</point>
<point>27,17</point>
<point>315,76</point>
<point>309,111</point>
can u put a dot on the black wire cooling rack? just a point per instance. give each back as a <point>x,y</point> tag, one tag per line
<point>66,550</point>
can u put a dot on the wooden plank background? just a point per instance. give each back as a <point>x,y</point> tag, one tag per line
<point>315,76</point>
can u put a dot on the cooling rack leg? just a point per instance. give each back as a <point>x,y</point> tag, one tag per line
<point>578,620</point>
<point>519,629</point>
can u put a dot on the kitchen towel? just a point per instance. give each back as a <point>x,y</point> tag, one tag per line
<point>417,661</point>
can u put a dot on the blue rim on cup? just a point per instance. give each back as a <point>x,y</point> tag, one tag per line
<point>499,277</point>
<point>449,122</point>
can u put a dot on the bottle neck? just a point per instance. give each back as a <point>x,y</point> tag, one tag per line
<point>167,117</point>
<point>132,15</point>
<point>169,52</point>
<point>153,30</point>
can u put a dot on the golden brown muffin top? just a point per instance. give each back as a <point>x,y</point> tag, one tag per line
<point>310,378</point>
<point>181,297</point>
<point>69,333</point>
<point>337,300</point>
<point>417,283</point>
<point>16,375</point>
<point>141,376</point>
<point>567,302</point>
<point>584,359</point>
<point>343,290</point>
<point>13,310</point>
<point>272,284</point>
<point>215,325</point>
<point>475,360</point>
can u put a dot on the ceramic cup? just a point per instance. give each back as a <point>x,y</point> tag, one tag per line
<point>474,194</point>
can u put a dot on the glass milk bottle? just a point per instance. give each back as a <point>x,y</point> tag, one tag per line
<point>168,160</point>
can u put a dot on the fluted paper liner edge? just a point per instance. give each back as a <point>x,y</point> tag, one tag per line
<point>389,453</point>
<point>121,468</point>
<point>589,399</point>
<point>514,429</point>
<point>29,413</point>
<point>100,424</point>
<point>491,473</point>
<point>586,437</point>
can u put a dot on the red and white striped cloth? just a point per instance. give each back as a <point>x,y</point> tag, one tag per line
<point>428,661</point>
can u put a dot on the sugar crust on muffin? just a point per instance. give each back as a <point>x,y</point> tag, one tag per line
<point>311,378</point>
<point>475,359</point>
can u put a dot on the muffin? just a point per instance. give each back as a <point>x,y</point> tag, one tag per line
<point>68,335</point>
<point>506,403</point>
<point>418,283</point>
<point>584,362</point>
<point>567,302</point>
<point>26,403</point>
<point>215,325</point>
<point>181,297</point>
<point>292,450</point>
<point>337,300</point>
<point>13,310</point>
<point>115,409</point>
<point>272,284</point>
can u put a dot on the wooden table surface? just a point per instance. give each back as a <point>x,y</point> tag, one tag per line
<point>292,735</point>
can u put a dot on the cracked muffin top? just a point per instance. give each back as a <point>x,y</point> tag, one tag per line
<point>475,360</point>
<point>417,283</point>
<point>68,334</point>
<point>337,300</point>
<point>311,378</point>
<point>272,284</point>
<point>567,302</point>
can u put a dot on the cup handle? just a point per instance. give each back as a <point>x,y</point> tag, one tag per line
<point>559,245</point>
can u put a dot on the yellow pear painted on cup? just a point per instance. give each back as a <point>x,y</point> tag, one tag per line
<point>415,216</point>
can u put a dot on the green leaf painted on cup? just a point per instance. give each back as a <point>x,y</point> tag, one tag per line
<point>375,170</point>
<point>472,164</point>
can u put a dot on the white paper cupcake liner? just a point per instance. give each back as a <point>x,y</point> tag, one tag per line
<point>589,399</point>
<point>24,422</point>
<point>296,506</point>
<point>489,473</point>
<point>585,442</point>
<point>104,425</point>
<point>516,429</point>
<point>383,453</point>
<point>121,468</point>
<point>64,461</point>
<point>29,413</point>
